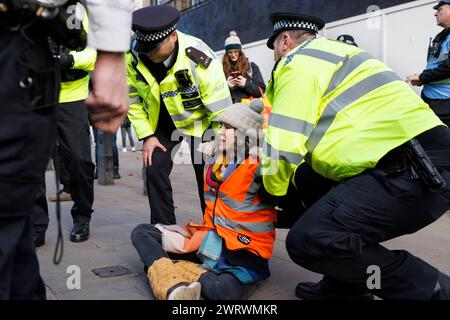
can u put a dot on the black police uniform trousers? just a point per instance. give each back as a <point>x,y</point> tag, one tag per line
<point>27,131</point>
<point>76,167</point>
<point>340,234</point>
<point>441,107</point>
<point>75,150</point>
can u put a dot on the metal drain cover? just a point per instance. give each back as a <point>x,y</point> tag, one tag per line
<point>109,272</point>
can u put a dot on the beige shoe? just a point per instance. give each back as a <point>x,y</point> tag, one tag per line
<point>184,292</point>
<point>168,283</point>
<point>190,271</point>
<point>63,196</point>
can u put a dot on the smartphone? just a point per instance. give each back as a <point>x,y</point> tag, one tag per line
<point>235,74</point>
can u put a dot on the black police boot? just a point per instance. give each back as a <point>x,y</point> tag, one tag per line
<point>116,174</point>
<point>442,290</point>
<point>80,232</point>
<point>327,289</point>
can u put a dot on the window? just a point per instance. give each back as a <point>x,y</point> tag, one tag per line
<point>181,5</point>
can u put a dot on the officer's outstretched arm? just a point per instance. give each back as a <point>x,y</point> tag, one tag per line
<point>84,60</point>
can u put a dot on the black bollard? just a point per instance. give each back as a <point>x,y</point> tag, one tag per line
<point>105,158</point>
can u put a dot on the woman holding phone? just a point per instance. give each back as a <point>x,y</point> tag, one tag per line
<point>243,77</point>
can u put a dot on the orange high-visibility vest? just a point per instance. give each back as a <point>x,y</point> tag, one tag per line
<point>237,214</point>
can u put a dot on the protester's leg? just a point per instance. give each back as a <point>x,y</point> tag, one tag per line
<point>146,238</point>
<point>224,286</point>
<point>164,276</point>
<point>339,235</point>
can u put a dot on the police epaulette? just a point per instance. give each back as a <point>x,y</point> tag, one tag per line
<point>198,56</point>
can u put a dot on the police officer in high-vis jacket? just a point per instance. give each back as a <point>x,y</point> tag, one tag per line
<point>436,77</point>
<point>355,122</point>
<point>177,87</point>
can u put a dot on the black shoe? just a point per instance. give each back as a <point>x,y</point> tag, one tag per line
<point>116,174</point>
<point>327,290</point>
<point>80,232</point>
<point>442,290</point>
<point>39,241</point>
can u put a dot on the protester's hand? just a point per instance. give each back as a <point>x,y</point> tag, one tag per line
<point>148,147</point>
<point>231,82</point>
<point>414,80</point>
<point>241,81</point>
<point>108,100</point>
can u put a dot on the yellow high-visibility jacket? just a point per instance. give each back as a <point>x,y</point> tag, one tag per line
<point>83,60</point>
<point>339,109</point>
<point>193,107</point>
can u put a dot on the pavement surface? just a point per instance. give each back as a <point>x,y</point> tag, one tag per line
<point>122,206</point>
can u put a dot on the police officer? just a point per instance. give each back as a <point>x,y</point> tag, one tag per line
<point>27,122</point>
<point>436,77</point>
<point>176,83</point>
<point>74,145</point>
<point>355,122</point>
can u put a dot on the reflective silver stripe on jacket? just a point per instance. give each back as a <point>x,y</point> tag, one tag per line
<point>275,154</point>
<point>290,124</point>
<point>256,227</point>
<point>346,98</point>
<point>219,105</point>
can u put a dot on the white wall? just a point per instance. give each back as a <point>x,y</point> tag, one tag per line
<point>399,36</point>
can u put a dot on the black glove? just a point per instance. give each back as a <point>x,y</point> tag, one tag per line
<point>266,197</point>
<point>65,61</point>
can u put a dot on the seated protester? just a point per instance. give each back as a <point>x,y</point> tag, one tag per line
<point>243,77</point>
<point>227,254</point>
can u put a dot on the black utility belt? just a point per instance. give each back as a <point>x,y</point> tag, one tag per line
<point>422,164</point>
<point>73,75</point>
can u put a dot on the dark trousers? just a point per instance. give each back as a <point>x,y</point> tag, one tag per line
<point>27,131</point>
<point>441,108</point>
<point>75,150</point>
<point>39,215</point>
<point>159,188</point>
<point>115,152</point>
<point>340,234</point>
<point>64,175</point>
<point>124,131</point>
<point>215,286</point>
